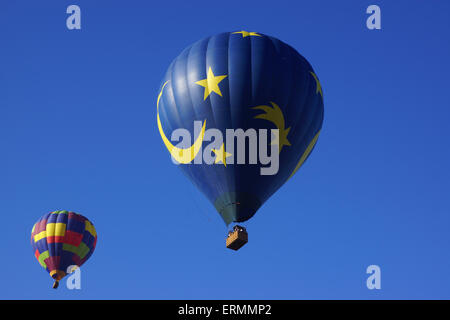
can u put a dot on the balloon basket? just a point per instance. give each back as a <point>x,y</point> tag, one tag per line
<point>237,238</point>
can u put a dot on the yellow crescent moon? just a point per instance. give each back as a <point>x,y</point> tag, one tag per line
<point>305,154</point>
<point>186,155</point>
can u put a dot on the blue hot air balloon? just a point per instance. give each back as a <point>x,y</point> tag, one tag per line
<point>239,113</point>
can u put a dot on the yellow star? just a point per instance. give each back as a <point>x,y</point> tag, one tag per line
<point>275,115</point>
<point>281,141</point>
<point>246,34</point>
<point>221,155</point>
<point>211,83</point>
<point>318,86</point>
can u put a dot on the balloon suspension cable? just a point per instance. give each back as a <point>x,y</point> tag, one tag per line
<point>56,284</point>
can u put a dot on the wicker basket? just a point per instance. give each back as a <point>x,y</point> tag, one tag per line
<point>237,238</point>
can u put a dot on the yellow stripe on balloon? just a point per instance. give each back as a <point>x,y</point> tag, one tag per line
<point>40,235</point>
<point>56,229</point>
<point>90,228</point>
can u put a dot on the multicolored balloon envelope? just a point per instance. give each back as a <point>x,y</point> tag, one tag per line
<point>240,112</point>
<point>62,239</point>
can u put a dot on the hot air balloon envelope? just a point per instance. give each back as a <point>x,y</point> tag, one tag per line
<point>62,239</point>
<point>239,112</point>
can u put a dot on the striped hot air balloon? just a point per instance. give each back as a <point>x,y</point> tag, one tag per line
<point>62,239</point>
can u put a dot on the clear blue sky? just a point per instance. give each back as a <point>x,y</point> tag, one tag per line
<point>78,132</point>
